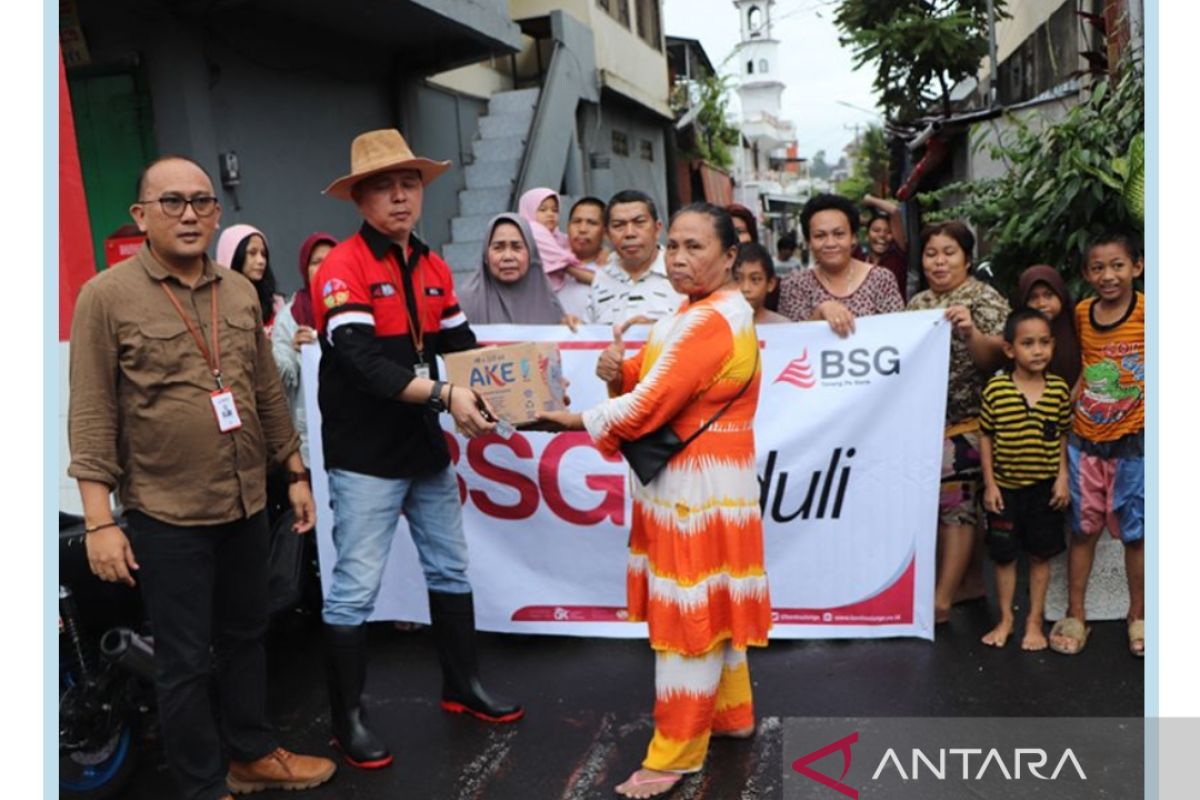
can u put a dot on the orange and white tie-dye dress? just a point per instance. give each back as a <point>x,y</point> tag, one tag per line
<point>695,573</point>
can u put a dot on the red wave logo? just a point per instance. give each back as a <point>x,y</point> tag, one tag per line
<point>798,373</point>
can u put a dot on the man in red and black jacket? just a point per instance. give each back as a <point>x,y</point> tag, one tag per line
<point>387,307</point>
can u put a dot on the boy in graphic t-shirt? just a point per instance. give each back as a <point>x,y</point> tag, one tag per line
<point>1106,447</point>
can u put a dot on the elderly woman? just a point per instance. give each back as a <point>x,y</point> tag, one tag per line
<point>695,572</point>
<point>977,312</point>
<point>510,286</point>
<point>839,287</point>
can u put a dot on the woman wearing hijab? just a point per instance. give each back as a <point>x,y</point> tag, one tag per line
<point>243,248</point>
<point>511,286</point>
<point>1042,287</point>
<point>295,326</point>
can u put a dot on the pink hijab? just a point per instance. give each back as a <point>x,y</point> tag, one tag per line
<point>553,246</point>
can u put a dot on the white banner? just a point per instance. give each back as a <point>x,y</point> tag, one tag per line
<point>849,438</point>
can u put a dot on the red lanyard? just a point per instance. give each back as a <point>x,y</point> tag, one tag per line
<point>415,331</point>
<point>213,357</point>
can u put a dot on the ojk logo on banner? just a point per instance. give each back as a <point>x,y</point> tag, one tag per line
<point>849,451</point>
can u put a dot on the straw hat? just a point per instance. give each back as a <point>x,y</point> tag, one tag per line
<point>382,151</point>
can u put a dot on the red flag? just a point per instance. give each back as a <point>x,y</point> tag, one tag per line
<point>76,261</point>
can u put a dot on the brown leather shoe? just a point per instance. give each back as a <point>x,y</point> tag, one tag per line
<point>279,770</point>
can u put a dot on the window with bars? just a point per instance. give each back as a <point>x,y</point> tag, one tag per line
<point>647,147</point>
<point>617,9</point>
<point>620,143</point>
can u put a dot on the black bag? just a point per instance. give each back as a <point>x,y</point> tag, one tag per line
<point>647,455</point>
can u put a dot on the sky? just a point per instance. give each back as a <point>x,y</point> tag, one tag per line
<point>816,69</point>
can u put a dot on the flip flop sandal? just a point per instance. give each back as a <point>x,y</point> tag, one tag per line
<point>1073,629</point>
<point>1137,633</point>
<point>635,782</point>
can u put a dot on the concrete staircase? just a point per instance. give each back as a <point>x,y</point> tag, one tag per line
<point>497,150</point>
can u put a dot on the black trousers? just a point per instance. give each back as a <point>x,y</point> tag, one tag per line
<point>205,589</point>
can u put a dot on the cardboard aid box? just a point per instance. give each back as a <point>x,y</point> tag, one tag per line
<point>519,380</point>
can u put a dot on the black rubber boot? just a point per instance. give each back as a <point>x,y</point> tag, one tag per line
<point>453,622</point>
<point>346,667</point>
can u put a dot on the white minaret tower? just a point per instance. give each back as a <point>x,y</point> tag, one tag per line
<point>760,89</point>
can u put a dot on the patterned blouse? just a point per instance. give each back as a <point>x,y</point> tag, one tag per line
<point>988,310</point>
<point>801,293</point>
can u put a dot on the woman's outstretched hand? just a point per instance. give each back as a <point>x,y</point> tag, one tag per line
<point>557,421</point>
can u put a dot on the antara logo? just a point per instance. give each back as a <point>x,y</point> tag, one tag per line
<point>1033,759</point>
<point>843,746</point>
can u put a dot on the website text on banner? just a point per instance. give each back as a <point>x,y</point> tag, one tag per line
<point>849,439</point>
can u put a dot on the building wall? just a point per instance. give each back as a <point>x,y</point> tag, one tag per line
<point>626,63</point>
<point>480,80</point>
<point>978,162</point>
<point>290,112</point>
<point>1026,18</point>
<point>608,172</point>
<point>440,125</point>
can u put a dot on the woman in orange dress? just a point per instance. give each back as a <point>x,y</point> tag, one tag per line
<point>695,572</point>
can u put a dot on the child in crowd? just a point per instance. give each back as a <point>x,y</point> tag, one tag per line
<point>1043,288</point>
<point>1023,422</point>
<point>755,275</point>
<point>1106,447</point>
<point>540,209</point>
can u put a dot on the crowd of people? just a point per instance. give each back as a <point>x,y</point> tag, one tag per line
<point>181,399</point>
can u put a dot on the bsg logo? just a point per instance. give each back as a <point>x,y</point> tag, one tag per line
<point>837,364</point>
<point>859,363</point>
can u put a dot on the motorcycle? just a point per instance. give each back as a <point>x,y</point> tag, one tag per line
<point>106,658</point>
<point>105,675</point>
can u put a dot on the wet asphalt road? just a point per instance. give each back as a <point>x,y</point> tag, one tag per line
<point>588,705</point>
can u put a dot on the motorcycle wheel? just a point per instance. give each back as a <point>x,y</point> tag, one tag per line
<point>100,773</point>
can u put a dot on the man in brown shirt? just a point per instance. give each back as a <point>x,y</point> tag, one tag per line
<point>182,423</point>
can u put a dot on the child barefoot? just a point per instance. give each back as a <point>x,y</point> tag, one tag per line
<point>1023,424</point>
<point>1107,445</point>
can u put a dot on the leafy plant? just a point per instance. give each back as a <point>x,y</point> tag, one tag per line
<point>714,135</point>
<point>871,165</point>
<point>920,48</point>
<point>1064,184</point>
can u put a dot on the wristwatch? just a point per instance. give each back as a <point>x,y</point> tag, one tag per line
<point>435,397</point>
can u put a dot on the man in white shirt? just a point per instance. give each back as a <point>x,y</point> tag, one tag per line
<point>634,285</point>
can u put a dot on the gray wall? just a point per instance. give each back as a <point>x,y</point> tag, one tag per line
<point>596,127</point>
<point>288,99</point>
<point>440,124</point>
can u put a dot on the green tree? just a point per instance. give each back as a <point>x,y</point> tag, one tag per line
<point>714,135</point>
<point>871,166</point>
<point>1065,183</point>
<point>920,48</point>
<point>819,168</point>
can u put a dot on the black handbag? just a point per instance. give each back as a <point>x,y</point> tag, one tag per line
<point>647,455</point>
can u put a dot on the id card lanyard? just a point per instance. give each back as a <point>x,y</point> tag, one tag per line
<point>224,407</point>
<point>415,331</point>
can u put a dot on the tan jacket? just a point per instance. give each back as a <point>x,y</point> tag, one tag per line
<point>141,416</point>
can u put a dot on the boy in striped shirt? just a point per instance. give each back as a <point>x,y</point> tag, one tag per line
<point>1024,420</point>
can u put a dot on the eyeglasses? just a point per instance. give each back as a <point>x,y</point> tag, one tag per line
<point>173,205</point>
